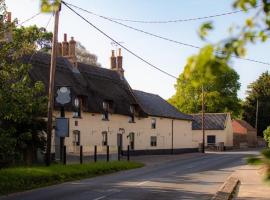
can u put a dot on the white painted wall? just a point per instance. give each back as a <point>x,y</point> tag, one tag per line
<point>225,135</point>
<point>91,127</point>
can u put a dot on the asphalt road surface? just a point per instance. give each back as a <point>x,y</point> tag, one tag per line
<point>189,176</point>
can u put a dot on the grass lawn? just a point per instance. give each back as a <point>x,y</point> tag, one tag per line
<point>24,178</point>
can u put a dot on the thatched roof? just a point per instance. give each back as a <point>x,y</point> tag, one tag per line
<point>97,84</point>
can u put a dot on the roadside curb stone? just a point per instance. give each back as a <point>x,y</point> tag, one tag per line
<point>226,191</point>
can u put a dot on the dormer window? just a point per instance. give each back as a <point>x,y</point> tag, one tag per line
<point>78,107</point>
<point>106,107</point>
<point>132,114</point>
<point>153,123</point>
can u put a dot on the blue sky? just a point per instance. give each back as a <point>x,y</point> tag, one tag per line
<point>168,56</point>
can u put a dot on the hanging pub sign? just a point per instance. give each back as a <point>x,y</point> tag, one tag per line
<point>63,95</point>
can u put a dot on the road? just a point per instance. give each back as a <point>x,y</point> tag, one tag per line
<point>190,176</point>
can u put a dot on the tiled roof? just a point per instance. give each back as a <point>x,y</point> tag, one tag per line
<point>154,105</point>
<point>213,121</point>
<point>244,124</point>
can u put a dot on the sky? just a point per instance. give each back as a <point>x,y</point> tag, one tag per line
<point>168,56</point>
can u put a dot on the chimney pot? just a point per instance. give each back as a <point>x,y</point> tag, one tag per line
<point>65,46</point>
<point>120,63</point>
<point>65,37</point>
<point>113,61</point>
<point>119,52</point>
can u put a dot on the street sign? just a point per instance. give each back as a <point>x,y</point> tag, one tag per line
<point>62,127</point>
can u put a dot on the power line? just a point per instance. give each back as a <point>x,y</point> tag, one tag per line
<point>113,40</point>
<point>175,20</point>
<point>161,37</point>
<point>34,16</point>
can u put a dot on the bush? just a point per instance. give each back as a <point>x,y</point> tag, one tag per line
<point>266,135</point>
<point>25,178</point>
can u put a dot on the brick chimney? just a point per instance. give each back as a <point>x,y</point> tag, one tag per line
<point>8,33</point>
<point>113,61</point>
<point>119,59</point>
<point>65,46</point>
<point>72,51</point>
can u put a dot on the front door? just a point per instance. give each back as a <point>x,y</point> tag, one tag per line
<point>120,141</point>
<point>131,140</point>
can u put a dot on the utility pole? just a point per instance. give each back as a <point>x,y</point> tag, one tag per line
<point>203,131</point>
<point>51,85</point>
<point>257,114</point>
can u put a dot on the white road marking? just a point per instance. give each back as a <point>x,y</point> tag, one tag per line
<point>141,183</point>
<point>102,197</point>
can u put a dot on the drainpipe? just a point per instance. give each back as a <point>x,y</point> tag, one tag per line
<point>172,138</point>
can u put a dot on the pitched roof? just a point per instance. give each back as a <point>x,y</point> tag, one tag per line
<point>154,105</point>
<point>213,121</point>
<point>95,83</point>
<point>244,124</point>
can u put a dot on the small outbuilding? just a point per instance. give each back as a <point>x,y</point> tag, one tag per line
<point>244,135</point>
<point>218,129</point>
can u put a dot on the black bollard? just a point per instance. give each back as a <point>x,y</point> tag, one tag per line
<point>65,155</point>
<point>108,153</point>
<point>128,152</point>
<point>119,153</point>
<point>81,154</point>
<point>95,153</point>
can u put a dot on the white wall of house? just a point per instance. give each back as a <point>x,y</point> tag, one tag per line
<point>225,135</point>
<point>91,127</point>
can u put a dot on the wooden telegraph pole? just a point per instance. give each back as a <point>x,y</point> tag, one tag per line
<point>257,114</point>
<point>51,86</point>
<point>203,122</point>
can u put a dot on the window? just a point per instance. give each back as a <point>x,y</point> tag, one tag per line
<point>105,115</point>
<point>153,141</point>
<point>77,138</point>
<point>211,140</point>
<point>132,114</point>
<point>153,123</point>
<point>78,107</point>
<point>76,123</point>
<point>131,119</point>
<point>104,138</point>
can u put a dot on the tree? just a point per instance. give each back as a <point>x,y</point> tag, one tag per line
<point>219,80</point>
<point>258,91</point>
<point>266,135</point>
<point>84,56</point>
<point>22,102</point>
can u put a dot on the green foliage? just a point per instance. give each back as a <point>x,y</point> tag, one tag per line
<point>22,102</point>
<point>33,38</point>
<point>266,135</point>
<point>50,6</point>
<point>204,29</point>
<point>258,90</point>
<point>219,80</point>
<point>26,178</point>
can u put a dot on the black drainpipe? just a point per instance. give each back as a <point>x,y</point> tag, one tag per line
<point>172,138</point>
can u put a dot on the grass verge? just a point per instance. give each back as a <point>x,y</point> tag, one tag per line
<point>17,179</point>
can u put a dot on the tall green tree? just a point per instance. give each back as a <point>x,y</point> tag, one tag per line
<point>220,83</point>
<point>258,91</point>
<point>22,101</point>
